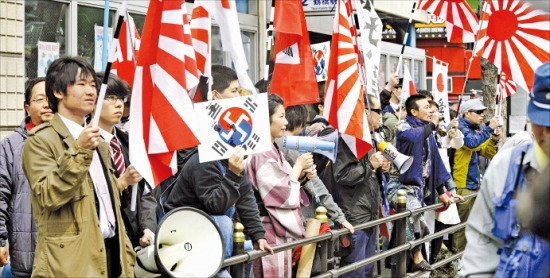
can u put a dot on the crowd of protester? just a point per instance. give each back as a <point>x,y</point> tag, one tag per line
<point>65,185</point>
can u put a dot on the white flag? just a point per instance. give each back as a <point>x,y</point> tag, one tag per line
<point>439,87</point>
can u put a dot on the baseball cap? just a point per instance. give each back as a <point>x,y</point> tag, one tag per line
<point>538,110</point>
<point>472,105</point>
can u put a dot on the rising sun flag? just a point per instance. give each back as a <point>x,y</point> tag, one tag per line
<point>516,38</point>
<point>461,20</point>
<point>161,109</point>
<point>344,96</point>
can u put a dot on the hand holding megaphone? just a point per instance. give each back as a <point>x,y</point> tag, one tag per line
<point>303,162</point>
<point>379,161</point>
<point>401,161</point>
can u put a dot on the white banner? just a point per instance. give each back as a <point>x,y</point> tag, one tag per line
<point>439,87</point>
<point>228,123</point>
<point>370,27</point>
<point>98,42</point>
<point>321,54</point>
<point>47,53</point>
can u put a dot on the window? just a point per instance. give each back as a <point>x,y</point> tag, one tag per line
<point>418,74</point>
<point>382,72</point>
<point>45,21</point>
<point>139,20</point>
<point>88,18</point>
<point>219,57</point>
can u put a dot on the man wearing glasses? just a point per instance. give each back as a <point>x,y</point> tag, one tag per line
<point>478,140</point>
<point>141,222</point>
<point>15,201</point>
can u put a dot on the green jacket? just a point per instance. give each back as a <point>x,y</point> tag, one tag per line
<point>69,243</point>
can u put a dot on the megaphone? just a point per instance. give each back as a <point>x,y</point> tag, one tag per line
<point>326,145</point>
<point>401,161</point>
<point>183,250</point>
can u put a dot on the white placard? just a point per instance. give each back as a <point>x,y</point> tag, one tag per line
<point>321,54</point>
<point>228,123</point>
<point>517,123</point>
<point>47,53</point>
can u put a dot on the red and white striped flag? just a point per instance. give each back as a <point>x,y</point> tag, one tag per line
<point>293,74</point>
<point>461,20</point>
<point>516,38</point>
<point>201,23</point>
<point>344,96</point>
<point>161,110</point>
<point>506,86</point>
<point>127,50</point>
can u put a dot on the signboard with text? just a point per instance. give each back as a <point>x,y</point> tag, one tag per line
<point>47,53</point>
<point>319,5</point>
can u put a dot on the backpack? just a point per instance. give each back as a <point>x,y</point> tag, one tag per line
<point>522,254</point>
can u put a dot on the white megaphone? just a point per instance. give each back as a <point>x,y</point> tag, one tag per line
<point>187,244</point>
<point>401,161</point>
<point>326,145</point>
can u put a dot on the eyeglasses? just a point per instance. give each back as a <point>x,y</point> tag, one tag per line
<point>479,112</point>
<point>39,100</point>
<point>114,98</point>
<point>377,110</point>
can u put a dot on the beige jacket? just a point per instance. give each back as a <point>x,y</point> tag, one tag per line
<point>70,243</point>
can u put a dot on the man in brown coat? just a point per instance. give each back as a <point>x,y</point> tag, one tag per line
<point>74,192</point>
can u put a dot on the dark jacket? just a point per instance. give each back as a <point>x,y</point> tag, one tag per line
<point>145,215</point>
<point>16,221</point>
<point>205,186</point>
<point>353,184</point>
<point>415,138</point>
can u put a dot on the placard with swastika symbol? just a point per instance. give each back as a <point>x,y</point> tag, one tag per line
<point>230,123</point>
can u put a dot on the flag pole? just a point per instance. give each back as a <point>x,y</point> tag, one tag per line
<point>112,51</point>
<point>471,60</point>
<point>105,34</point>
<point>130,30</point>
<point>269,40</point>
<point>405,40</point>
<point>397,69</point>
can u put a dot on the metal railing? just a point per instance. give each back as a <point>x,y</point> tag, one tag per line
<point>237,261</point>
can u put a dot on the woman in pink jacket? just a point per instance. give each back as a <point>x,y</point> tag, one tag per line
<point>279,195</point>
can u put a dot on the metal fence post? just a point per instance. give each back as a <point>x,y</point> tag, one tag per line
<point>237,270</point>
<point>321,215</point>
<point>399,269</point>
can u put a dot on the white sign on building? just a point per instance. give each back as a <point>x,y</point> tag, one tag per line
<point>98,40</point>
<point>47,53</point>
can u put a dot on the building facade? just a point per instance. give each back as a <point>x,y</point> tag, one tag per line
<point>35,32</point>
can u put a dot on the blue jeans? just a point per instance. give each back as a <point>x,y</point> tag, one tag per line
<point>225,224</point>
<point>364,247</point>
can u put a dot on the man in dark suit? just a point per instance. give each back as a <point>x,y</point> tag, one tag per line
<point>142,222</point>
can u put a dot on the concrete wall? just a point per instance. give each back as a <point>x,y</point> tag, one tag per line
<point>12,46</point>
